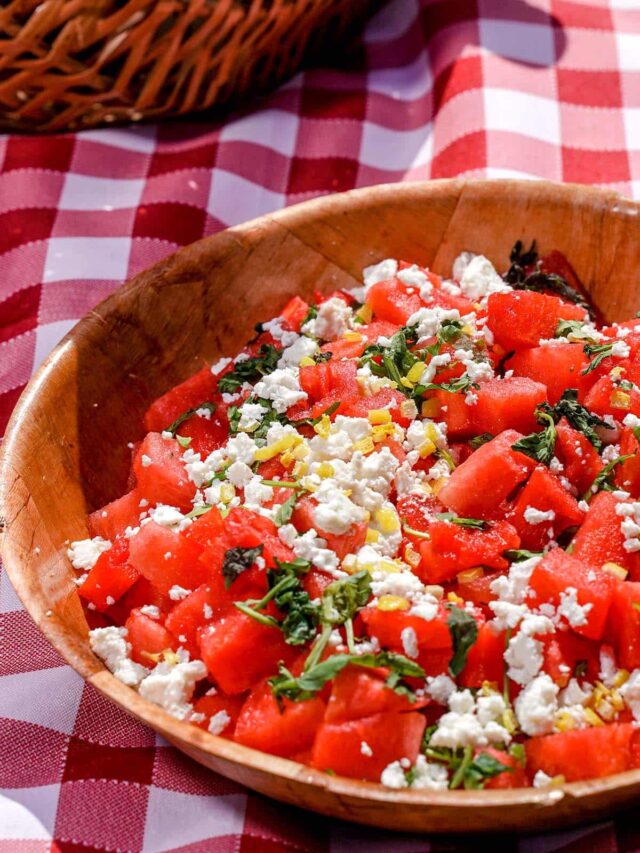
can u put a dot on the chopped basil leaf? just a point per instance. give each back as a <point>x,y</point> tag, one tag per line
<point>478,440</point>
<point>285,590</point>
<point>250,370</point>
<point>312,680</point>
<point>602,481</point>
<point>342,599</point>
<point>311,314</point>
<point>573,328</point>
<point>285,511</point>
<point>449,331</point>
<point>539,445</point>
<point>464,632</point>
<point>173,428</point>
<point>474,523</point>
<point>313,421</point>
<point>197,511</point>
<point>597,353</point>
<point>460,385</point>
<point>579,418</point>
<point>238,560</point>
<point>483,767</point>
<point>518,554</point>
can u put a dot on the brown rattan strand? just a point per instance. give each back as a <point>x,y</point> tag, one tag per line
<point>71,64</point>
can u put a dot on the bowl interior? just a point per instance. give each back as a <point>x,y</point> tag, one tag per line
<point>66,451</point>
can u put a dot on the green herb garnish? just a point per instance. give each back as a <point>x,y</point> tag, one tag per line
<point>464,633</point>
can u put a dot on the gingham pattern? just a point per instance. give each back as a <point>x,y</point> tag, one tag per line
<point>547,89</point>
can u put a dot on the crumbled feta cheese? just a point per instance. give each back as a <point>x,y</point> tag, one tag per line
<point>382,271</point>
<point>461,263</point>
<point>538,516</point>
<point>542,780</point>
<point>220,365</point>
<point>145,460</point>
<point>630,692</point>
<point>440,688</point>
<point>177,593</point>
<point>239,474</point>
<point>471,723</point>
<point>631,421</point>
<point>218,722</point>
<point>171,517</point>
<point>151,611</point>
<point>282,387</point>
<point>409,642</point>
<point>334,318</point>
<point>285,337</point>
<point>573,612</point>
<point>536,706</point>
<point>111,646</point>
<point>84,553</point>
<point>524,652</point>
<point>365,749</point>
<point>303,348</point>
<point>310,546</point>
<point>171,686</point>
<point>251,415</point>
<point>479,279</point>
<point>429,320</point>
<point>514,586</point>
<point>393,776</point>
<point>335,513</point>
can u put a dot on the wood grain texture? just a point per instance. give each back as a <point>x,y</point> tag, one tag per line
<point>65,451</point>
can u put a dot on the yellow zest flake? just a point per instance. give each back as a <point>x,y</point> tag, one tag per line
<point>308,484</point>
<point>300,469</point>
<point>438,484</point>
<point>616,372</point>
<point>621,676</point>
<point>454,599</point>
<point>416,372</point>
<point>350,563</point>
<point>615,569</point>
<point>372,536</point>
<point>435,590</point>
<point>469,575</point>
<point>606,710</point>
<point>407,382</point>
<point>382,431</point>
<point>489,687</point>
<point>379,416</point>
<point>300,451</point>
<point>592,718</point>
<point>365,313</point>
<point>620,399</point>
<point>408,409</point>
<point>325,469</point>
<point>412,557</point>
<point>616,700</point>
<point>352,336</point>
<point>306,361</point>
<point>430,408</point>
<point>467,329</point>
<point>387,520</point>
<point>558,780</point>
<point>509,721</point>
<point>392,602</point>
<point>426,449</point>
<point>287,459</point>
<point>323,427</point>
<point>365,445</point>
<point>227,492</point>
<point>564,721</point>
<point>431,432</point>
<point>278,447</point>
<point>154,656</point>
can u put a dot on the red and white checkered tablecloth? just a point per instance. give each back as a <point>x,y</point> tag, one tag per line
<point>498,88</point>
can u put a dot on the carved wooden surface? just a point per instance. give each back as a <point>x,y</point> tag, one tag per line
<point>66,452</point>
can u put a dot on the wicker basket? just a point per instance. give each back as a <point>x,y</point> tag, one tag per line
<point>71,64</point>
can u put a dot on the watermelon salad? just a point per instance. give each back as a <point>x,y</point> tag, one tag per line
<point>396,537</point>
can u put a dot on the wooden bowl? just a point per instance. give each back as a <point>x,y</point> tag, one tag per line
<point>66,447</point>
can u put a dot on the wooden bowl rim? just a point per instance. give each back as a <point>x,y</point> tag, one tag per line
<point>177,732</point>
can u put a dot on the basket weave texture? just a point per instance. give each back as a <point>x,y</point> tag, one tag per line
<point>71,64</point>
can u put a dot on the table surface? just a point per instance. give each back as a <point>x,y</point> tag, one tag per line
<point>492,88</point>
